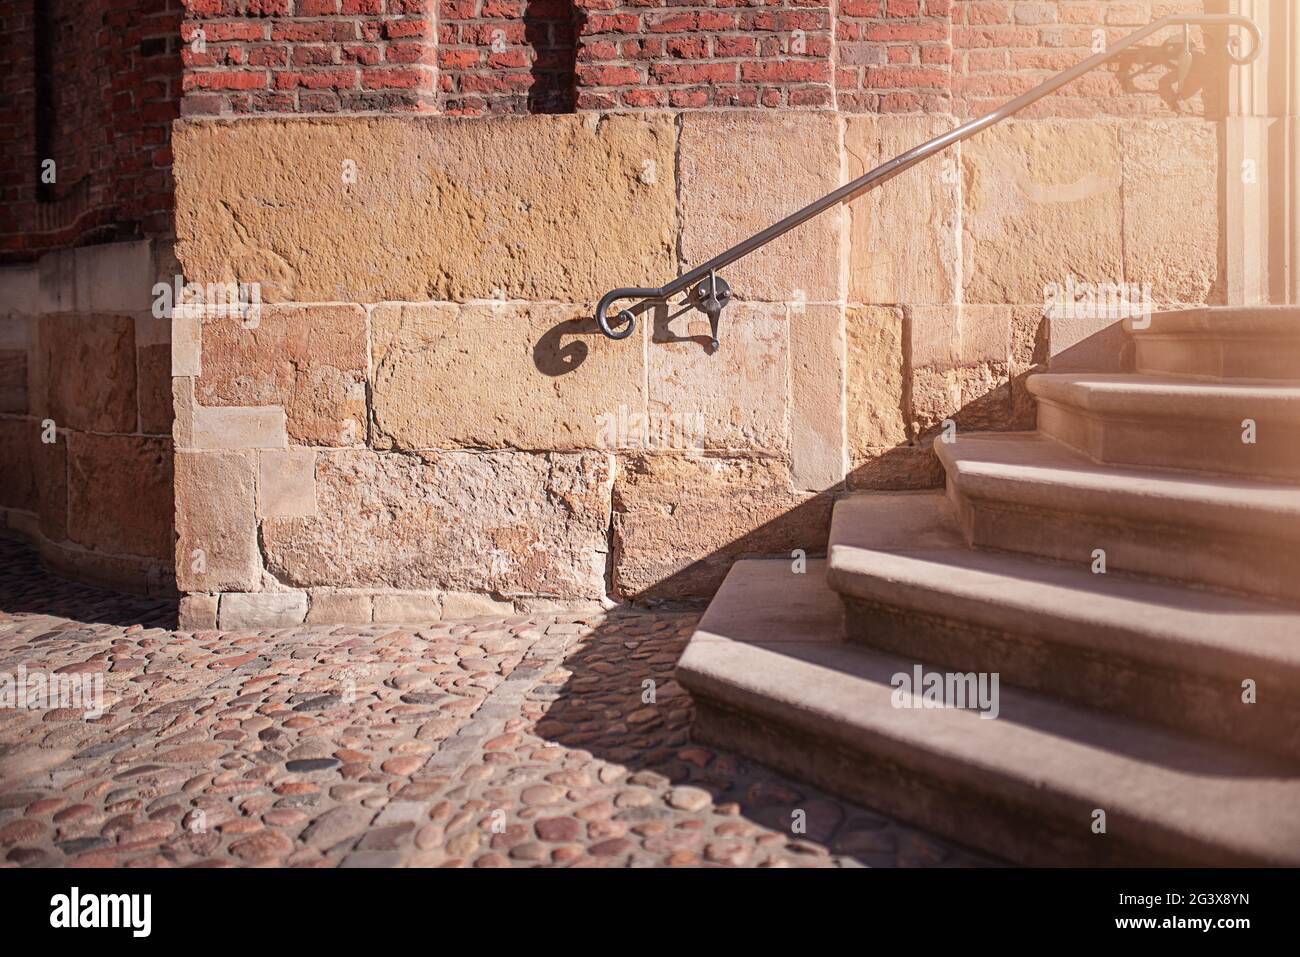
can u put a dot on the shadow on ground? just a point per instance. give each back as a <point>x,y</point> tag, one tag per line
<point>621,704</point>
<point>28,588</point>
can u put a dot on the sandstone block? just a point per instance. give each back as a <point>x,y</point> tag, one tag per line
<point>286,483</point>
<point>114,277</point>
<point>271,609</point>
<point>13,381</point>
<point>88,371</point>
<point>216,496</point>
<point>18,487</point>
<point>330,607</point>
<point>154,374</point>
<point>681,520</point>
<point>120,494</point>
<point>896,468</point>
<point>734,399</point>
<point>567,208</point>
<point>440,371</point>
<point>310,360</point>
<point>187,341</point>
<point>960,367</point>
<point>50,461</point>
<point>1042,200</point>
<point>408,606</point>
<point>510,522</point>
<point>239,428</point>
<point>875,402</point>
<point>817,367</point>
<point>741,171</point>
<point>1171,208</point>
<point>905,233</point>
<point>469,605</point>
<point>197,612</point>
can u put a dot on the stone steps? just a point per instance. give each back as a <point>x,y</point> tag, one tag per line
<point>1192,424</point>
<point>1252,342</point>
<point>1120,689</point>
<point>1023,492</point>
<point>1156,652</point>
<point>772,676</point>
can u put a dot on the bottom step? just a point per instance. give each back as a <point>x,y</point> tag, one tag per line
<point>772,678</point>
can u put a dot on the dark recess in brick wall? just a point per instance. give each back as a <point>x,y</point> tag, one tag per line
<point>508,56</point>
<point>92,85</point>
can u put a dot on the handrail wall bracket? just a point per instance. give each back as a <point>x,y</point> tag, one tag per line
<point>710,293</point>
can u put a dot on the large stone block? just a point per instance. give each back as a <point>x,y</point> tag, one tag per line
<point>88,371</point>
<point>736,398</point>
<point>1042,202</point>
<point>334,607</point>
<point>499,375</point>
<point>681,520</point>
<point>741,171</point>
<point>905,233</point>
<point>408,606</point>
<point>311,360</point>
<point>875,400</point>
<point>1171,209</point>
<point>503,522</point>
<point>817,411</point>
<point>120,494</point>
<point>33,477</point>
<point>216,526</point>
<point>365,209</point>
<point>15,345</point>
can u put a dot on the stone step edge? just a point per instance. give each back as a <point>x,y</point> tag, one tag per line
<point>917,581</point>
<point>1199,400</point>
<point>802,684</point>
<point>1220,322</point>
<point>1104,490</point>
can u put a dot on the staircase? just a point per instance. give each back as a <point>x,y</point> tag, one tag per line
<point>1121,690</point>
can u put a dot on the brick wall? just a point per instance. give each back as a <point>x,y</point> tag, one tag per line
<point>110,76</point>
<point>308,56</point>
<point>718,54</point>
<point>473,57</point>
<point>893,56</point>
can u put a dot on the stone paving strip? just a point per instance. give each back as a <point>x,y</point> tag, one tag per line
<point>502,742</point>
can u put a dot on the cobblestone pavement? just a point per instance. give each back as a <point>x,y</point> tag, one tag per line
<point>488,743</point>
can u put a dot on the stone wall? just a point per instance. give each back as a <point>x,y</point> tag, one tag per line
<point>419,418</point>
<point>425,420</point>
<point>86,414</point>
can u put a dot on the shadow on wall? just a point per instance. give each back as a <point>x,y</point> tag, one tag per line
<point>551,29</point>
<point>1207,74</point>
<point>999,403</point>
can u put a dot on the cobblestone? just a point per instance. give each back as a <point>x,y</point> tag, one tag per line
<point>513,742</point>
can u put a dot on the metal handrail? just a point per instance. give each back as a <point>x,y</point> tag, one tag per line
<point>713,293</point>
